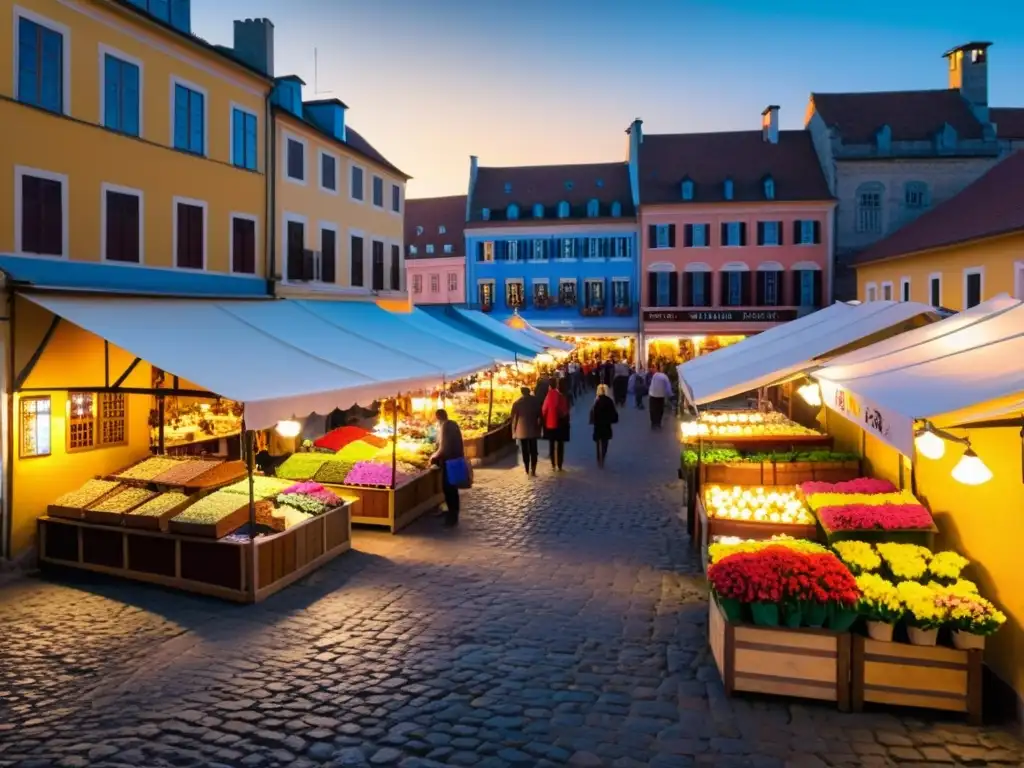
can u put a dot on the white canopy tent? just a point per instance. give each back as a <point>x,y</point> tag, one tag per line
<point>520,325</point>
<point>766,360</point>
<point>499,329</point>
<point>961,369</point>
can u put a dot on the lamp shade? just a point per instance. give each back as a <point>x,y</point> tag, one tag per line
<point>811,393</point>
<point>971,470</point>
<point>288,428</point>
<point>930,445</point>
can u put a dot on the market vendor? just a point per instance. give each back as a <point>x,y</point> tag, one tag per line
<point>449,447</point>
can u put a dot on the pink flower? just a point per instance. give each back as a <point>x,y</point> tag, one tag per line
<point>869,485</point>
<point>889,517</point>
<point>372,473</point>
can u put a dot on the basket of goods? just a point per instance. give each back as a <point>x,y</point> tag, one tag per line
<point>74,503</point>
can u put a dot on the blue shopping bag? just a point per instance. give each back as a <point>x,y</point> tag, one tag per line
<point>459,473</point>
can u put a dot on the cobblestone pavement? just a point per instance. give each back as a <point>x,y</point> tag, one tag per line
<point>562,624</point>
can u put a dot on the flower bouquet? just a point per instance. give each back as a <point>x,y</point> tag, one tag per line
<point>945,567</point>
<point>719,549</point>
<point>880,605</point>
<point>971,617</point>
<point>904,562</point>
<point>309,497</point>
<point>925,611</point>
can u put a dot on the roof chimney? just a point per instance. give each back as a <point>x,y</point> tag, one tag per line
<point>968,73</point>
<point>474,164</point>
<point>254,44</point>
<point>770,124</point>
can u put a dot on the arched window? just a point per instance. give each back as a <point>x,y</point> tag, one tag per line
<point>616,209</point>
<point>538,211</point>
<point>593,209</point>
<point>734,285</point>
<point>687,189</point>
<point>769,188</point>
<point>512,212</point>
<point>869,207</point>
<point>563,210</point>
<point>697,278</point>
<point>485,214</point>
<point>728,189</point>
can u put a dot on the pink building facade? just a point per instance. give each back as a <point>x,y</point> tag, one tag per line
<point>736,230</point>
<point>435,262</point>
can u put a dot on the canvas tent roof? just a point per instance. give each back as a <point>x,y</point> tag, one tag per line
<point>427,322</point>
<point>963,368</point>
<point>497,334</point>
<point>499,328</point>
<point>537,335</point>
<point>791,350</point>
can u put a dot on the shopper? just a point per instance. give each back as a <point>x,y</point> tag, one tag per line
<point>526,428</point>
<point>541,390</point>
<point>660,390</point>
<point>555,412</point>
<point>602,416</point>
<point>449,448</point>
<point>620,382</point>
<point>638,386</point>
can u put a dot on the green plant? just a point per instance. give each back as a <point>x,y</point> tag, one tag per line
<point>301,466</point>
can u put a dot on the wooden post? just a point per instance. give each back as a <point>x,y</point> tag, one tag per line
<point>490,404</point>
<point>394,444</point>
<point>160,417</point>
<point>249,454</point>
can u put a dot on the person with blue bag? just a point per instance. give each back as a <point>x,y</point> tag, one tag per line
<point>456,472</point>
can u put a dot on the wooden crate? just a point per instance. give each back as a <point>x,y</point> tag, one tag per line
<point>395,509</point>
<point>709,527</point>
<point>928,677</point>
<point>153,523</point>
<point>217,530</point>
<point>802,663</point>
<point>217,477</point>
<point>779,473</point>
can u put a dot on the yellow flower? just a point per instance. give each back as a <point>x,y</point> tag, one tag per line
<point>718,550</point>
<point>924,604</point>
<point>947,565</point>
<point>859,555</point>
<point>818,500</point>
<point>906,561</point>
<point>880,600</point>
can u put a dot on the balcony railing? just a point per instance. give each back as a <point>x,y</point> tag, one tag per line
<point>622,310</point>
<point>594,310</point>
<point>541,302</point>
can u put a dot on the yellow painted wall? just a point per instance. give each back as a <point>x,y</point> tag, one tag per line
<point>340,210</point>
<point>90,155</point>
<point>997,255</point>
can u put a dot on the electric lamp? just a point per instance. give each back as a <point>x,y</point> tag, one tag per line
<point>288,428</point>
<point>929,445</point>
<point>811,393</point>
<point>971,470</point>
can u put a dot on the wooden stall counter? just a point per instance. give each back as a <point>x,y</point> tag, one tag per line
<point>394,509</point>
<point>491,447</point>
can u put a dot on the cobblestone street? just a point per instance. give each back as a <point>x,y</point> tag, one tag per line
<point>563,623</point>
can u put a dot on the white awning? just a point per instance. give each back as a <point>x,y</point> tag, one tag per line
<point>500,329</point>
<point>768,359</point>
<point>539,336</point>
<point>430,324</point>
<point>279,358</point>
<point>966,367</point>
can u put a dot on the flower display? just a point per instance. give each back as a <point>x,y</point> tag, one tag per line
<point>818,501</point>
<point>724,455</point>
<point>301,466</point>
<point>970,613</point>
<point>863,485</point>
<point>161,504</point>
<point>718,550</point>
<point>359,450</point>
<point>338,438</point>
<point>959,587</point>
<point>756,504</point>
<point>744,424</point>
<point>924,606</point>
<point>880,599</point>
<point>905,561</point>
<point>859,556</point>
<point>334,471</point>
<point>947,565</point>
<point>888,517</point>
<point>262,487</point>
<point>89,493</point>
<point>309,497</point>
<point>123,500</point>
<point>372,473</point>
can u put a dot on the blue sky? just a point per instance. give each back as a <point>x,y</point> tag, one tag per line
<point>518,82</point>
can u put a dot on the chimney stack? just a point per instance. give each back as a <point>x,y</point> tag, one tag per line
<point>770,124</point>
<point>254,44</point>
<point>968,73</point>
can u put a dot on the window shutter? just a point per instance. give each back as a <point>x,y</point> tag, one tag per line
<point>52,218</point>
<point>743,233</point>
<point>308,271</point>
<point>295,246</point>
<point>817,288</point>
<point>356,258</point>
<point>704,280</point>
<point>130,230</point>
<point>652,236</point>
<point>687,283</point>
<point>724,234</point>
<point>780,228</point>
<point>396,277</point>
<point>327,251</point>
<point>760,233</point>
<point>746,284</point>
<point>817,232</point>
<point>796,231</point>
<point>723,288</point>
<point>794,284</point>
<point>671,235</point>
<point>652,289</point>
<point>688,235</point>
<point>673,289</point>
<point>762,288</point>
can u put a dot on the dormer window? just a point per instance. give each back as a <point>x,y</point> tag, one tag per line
<point>883,138</point>
<point>485,214</point>
<point>616,209</point>
<point>978,56</point>
<point>728,189</point>
<point>769,188</point>
<point>419,230</point>
<point>568,185</point>
<point>563,208</point>
<point>947,137</point>
<point>508,187</point>
<point>686,189</point>
<point>412,250</point>
<point>538,211</point>
<point>441,229</point>
<point>593,209</point>
<point>512,212</point>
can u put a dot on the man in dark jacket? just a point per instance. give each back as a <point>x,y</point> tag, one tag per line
<point>449,447</point>
<point>526,428</point>
<point>541,390</point>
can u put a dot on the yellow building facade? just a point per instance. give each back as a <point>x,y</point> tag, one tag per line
<point>129,142</point>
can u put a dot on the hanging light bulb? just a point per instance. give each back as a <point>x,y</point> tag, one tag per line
<point>811,393</point>
<point>971,470</point>
<point>288,428</point>
<point>929,445</point>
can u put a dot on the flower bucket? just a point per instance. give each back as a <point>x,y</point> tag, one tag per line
<point>920,636</point>
<point>880,630</point>
<point>841,619</point>
<point>765,614</point>
<point>792,615</point>
<point>967,641</point>
<point>815,614</point>
<point>732,608</point>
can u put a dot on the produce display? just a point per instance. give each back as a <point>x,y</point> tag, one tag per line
<point>90,492</point>
<point>184,471</point>
<point>123,500</point>
<point>333,471</point>
<point>160,504</point>
<point>301,466</point>
<point>309,498</point>
<point>211,509</point>
<point>263,487</point>
<point>756,504</point>
<point>223,473</point>
<point>148,469</point>
<point>866,504</point>
<point>717,455</point>
<point>744,424</point>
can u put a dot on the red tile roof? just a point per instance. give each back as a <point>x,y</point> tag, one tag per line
<point>910,115</point>
<point>1009,121</point>
<point>993,205</point>
<point>497,188</point>
<point>423,219</point>
<point>708,159</point>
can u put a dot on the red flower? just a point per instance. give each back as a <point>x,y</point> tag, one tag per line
<point>780,574</point>
<point>868,485</point>
<point>888,517</point>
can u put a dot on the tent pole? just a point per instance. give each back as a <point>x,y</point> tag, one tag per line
<point>444,389</point>
<point>490,404</point>
<point>394,444</point>
<point>160,417</point>
<point>247,450</point>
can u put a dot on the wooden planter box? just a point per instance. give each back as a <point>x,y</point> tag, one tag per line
<point>217,530</point>
<point>709,527</point>
<point>230,570</point>
<point>907,675</point>
<point>490,447</point>
<point>161,522</point>
<point>924,537</point>
<point>779,473</point>
<point>802,663</point>
<point>766,443</point>
<point>395,509</point>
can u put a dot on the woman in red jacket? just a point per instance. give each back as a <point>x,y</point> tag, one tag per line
<point>555,413</point>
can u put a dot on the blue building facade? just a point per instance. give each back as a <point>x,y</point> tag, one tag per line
<point>556,244</point>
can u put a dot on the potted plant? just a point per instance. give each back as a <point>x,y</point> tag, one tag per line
<point>486,306</point>
<point>540,301</point>
<point>622,310</point>
<point>971,617</point>
<point>945,567</point>
<point>925,612</point>
<point>880,605</point>
<point>859,556</point>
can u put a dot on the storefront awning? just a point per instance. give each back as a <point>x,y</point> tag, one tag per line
<point>499,328</point>
<point>517,323</point>
<point>279,358</point>
<point>966,367</point>
<point>430,324</point>
<point>784,352</point>
<point>522,348</point>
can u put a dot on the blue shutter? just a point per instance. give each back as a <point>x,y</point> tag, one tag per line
<point>664,285</point>
<point>112,93</point>
<point>180,117</point>
<point>252,143</point>
<point>28,57</point>
<point>806,288</point>
<point>238,137</point>
<point>196,109</point>
<point>53,71</point>
<point>130,105</point>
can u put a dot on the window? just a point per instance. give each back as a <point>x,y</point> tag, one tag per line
<point>563,210</point>
<point>435,283</point>
<point>807,232</point>
<point>189,234</point>
<point>41,221</point>
<point>935,289</point>
<point>539,250</point>
<point>447,247</point>
<point>869,208</point>
<point>328,173</point>
<point>81,421</point>
<point>396,198</point>
<point>378,192</point>
<point>441,229</point>
<point>453,281</point>
<point>512,212</point>
<point>769,288</point>
<point>485,251</point>
<point>243,244</point>
<point>328,254</point>
<point>112,417</point>
<point>485,214</point>
<point>593,293</point>
<point>174,12</point>
<point>514,298</point>
<point>769,189</point>
<point>769,233</point>
<point>189,118</point>
<point>396,267</point>
<point>377,266</point>
<point>887,291</point>
<point>120,94</point>
<point>122,224</point>
<point>915,195</point>
<point>96,420</point>
<point>486,293</point>
<point>733,288</point>
<point>620,293</point>
<point>593,209</point>
<point>35,426</point>
<point>700,289</point>
<point>687,189</point>
<point>296,265</point>
<point>540,294</point>
<point>295,160</point>
<point>664,289</point>
<point>616,209</point>
<point>593,247</point>
<point>871,292</point>
<point>974,287</point>
<point>567,292</point>
<point>358,193</point>
<point>42,61</point>
<point>904,289</point>
<point>356,257</point>
<point>568,248</point>
<point>807,282</point>
<point>430,248</point>
<point>728,189</point>
<point>696,236</point>
<point>511,250</point>
<point>661,236</point>
<point>413,250</point>
<point>538,211</point>
<point>734,233</point>
<point>417,283</point>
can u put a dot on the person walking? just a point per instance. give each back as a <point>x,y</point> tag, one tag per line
<point>602,416</point>
<point>541,389</point>
<point>660,390</point>
<point>526,428</point>
<point>555,412</point>
<point>449,447</point>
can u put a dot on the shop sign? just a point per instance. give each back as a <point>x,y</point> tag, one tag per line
<point>893,428</point>
<point>719,315</point>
